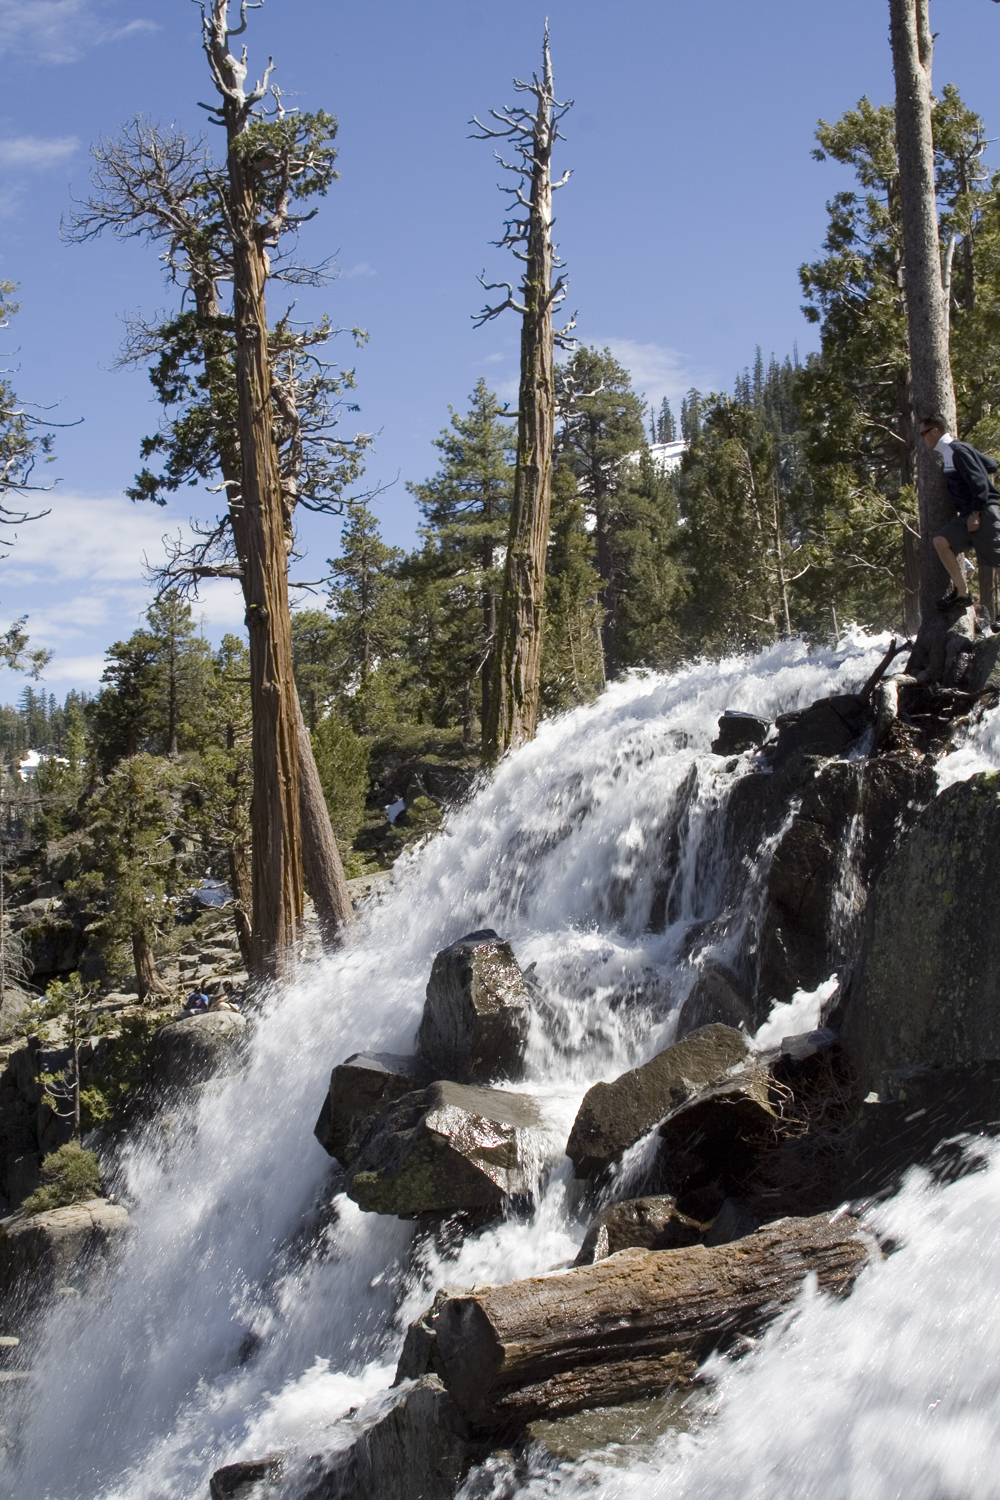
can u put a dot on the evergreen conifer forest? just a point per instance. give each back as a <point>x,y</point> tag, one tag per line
<point>618,739</point>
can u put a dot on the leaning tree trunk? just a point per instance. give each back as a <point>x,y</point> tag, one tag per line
<point>926,308</point>
<point>517,661</point>
<point>324,870</point>
<point>323,866</point>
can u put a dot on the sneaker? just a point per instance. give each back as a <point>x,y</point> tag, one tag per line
<point>954,600</point>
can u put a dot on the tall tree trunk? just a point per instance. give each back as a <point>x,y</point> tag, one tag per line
<point>926,309</point>
<point>513,706</point>
<point>608,594</point>
<point>323,866</point>
<point>242,889</point>
<point>277,876</point>
<point>148,980</point>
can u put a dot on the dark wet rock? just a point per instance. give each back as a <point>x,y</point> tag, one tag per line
<point>249,1479</point>
<point>359,1089</point>
<point>196,1048</point>
<point>983,674</point>
<point>447,1147</point>
<point>829,727</point>
<point>802,1058</point>
<point>48,1250</point>
<point>639,1224</point>
<point>714,1139</point>
<point>613,1116</point>
<point>833,825</point>
<point>927,985</point>
<point>734,1221</point>
<point>715,996</point>
<point>739,732</point>
<point>421,1449</point>
<point>915,1117</point>
<point>477,1014</point>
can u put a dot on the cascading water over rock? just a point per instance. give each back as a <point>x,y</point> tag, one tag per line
<point>255,1308</point>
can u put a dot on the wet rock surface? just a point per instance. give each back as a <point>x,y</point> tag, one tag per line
<point>249,1479</point>
<point>477,1013</point>
<point>927,985</point>
<point>613,1116</point>
<point>359,1089</point>
<point>739,732</point>
<point>48,1250</point>
<point>447,1147</point>
<point>421,1449</point>
<point>639,1224</point>
<point>196,1049</point>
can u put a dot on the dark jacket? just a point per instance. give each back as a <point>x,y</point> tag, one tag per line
<point>970,484</point>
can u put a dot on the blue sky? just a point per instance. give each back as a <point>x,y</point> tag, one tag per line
<point>692,203</point>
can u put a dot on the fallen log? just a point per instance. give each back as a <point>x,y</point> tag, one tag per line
<point>629,1325</point>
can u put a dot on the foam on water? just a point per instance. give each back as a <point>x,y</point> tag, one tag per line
<point>250,1314</point>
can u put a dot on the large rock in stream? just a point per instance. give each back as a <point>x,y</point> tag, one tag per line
<point>196,1048</point>
<point>634,1323</point>
<point>448,1147</point>
<point>44,1251</point>
<point>613,1116</point>
<point>360,1089</point>
<point>477,1014</point>
<point>927,985</point>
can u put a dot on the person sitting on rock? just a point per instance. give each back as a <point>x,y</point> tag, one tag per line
<point>223,1002</point>
<point>197,1001</point>
<point>969,477</point>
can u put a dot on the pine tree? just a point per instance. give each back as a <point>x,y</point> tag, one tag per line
<point>666,427</point>
<point>368,606</point>
<point>573,658</point>
<point>466,510</point>
<point>601,428</point>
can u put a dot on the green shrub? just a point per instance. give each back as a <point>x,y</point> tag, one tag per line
<point>69,1175</point>
<point>342,763</point>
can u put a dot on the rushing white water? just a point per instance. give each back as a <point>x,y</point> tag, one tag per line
<point>250,1312</point>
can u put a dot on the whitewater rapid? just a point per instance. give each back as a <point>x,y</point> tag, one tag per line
<point>254,1308</point>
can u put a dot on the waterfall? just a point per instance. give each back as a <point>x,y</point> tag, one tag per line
<point>255,1307</point>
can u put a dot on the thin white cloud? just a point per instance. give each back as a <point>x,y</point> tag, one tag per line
<point>78,576</point>
<point>59,31</point>
<point>361,269</point>
<point>656,370</point>
<point>33,152</point>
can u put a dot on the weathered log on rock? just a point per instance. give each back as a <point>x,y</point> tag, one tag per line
<point>448,1147</point>
<point>927,985</point>
<point>477,1014</point>
<point>739,732</point>
<point>359,1089</point>
<point>613,1116</point>
<point>633,1323</point>
<point>639,1224</point>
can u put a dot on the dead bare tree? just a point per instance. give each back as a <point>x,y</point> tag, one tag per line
<point>926,303</point>
<point>513,702</point>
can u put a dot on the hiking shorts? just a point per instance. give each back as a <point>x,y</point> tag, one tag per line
<point>985,542</point>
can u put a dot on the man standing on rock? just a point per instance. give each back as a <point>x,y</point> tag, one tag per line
<point>969,477</point>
